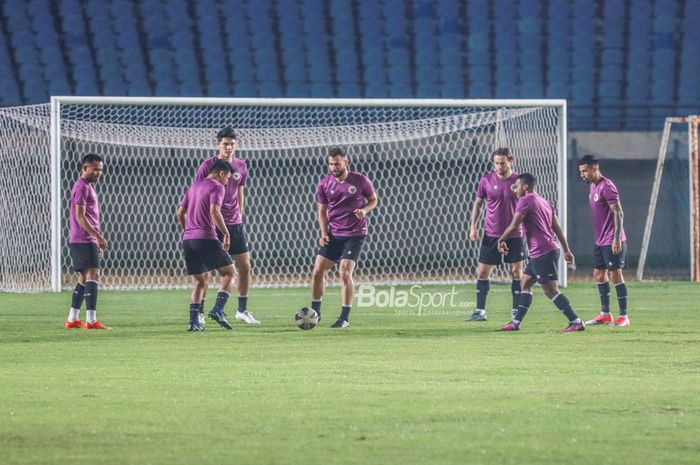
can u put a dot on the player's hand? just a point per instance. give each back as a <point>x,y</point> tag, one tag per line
<point>324,240</point>
<point>616,247</point>
<point>226,242</point>
<point>570,259</point>
<point>101,243</point>
<point>360,213</point>
<point>473,235</point>
<point>503,247</point>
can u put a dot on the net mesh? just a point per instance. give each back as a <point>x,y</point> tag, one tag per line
<point>425,163</point>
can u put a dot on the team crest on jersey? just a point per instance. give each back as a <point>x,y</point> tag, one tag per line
<point>236,176</point>
<point>352,189</point>
<point>595,197</point>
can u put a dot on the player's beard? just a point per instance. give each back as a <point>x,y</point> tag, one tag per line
<point>339,174</point>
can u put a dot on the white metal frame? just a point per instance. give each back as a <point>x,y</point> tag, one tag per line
<point>57,101</point>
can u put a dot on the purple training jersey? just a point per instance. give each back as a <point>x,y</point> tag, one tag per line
<point>500,203</point>
<point>600,197</point>
<point>83,194</point>
<point>537,224</point>
<point>198,222</point>
<point>343,198</point>
<point>230,209</point>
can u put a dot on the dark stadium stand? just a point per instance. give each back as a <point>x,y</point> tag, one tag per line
<point>622,64</point>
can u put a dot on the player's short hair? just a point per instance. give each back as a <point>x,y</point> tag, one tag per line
<point>503,151</point>
<point>91,158</point>
<point>337,152</point>
<point>527,178</point>
<point>588,159</point>
<point>221,165</point>
<point>226,133</point>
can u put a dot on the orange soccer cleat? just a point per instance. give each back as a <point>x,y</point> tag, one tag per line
<point>96,325</point>
<point>601,319</point>
<point>621,321</point>
<point>77,324</point>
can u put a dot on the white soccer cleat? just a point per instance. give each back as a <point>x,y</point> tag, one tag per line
<point>247,317</point>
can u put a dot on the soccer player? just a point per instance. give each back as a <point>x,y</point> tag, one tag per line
<point>344,200</point>
<point>495,187</point>
<point>86,243</point>
<point>540,225</point>
<point>232,210</point>
<point>200,215</point>
<point>610,247</point>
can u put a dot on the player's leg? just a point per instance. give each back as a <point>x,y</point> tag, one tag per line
<point>516,274</point>
<point>228,274</point>
<point>327,256</point>
<point>92,280</point>
<point>551,290</point>
<point>600,275</point>
<point>242,262</point>
<point>201,281</point>
<point>347,292</point>
<point>616,263</point>
<point>483,285</point>
<point>73,320</point>
<point>524,301</point>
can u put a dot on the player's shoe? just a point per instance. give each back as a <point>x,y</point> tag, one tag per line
<point>220,317</point>
<point>621,321</point>
<point>201,321</point>
<point>477,316</point>
<point>247,317</point>
<point>96,325</point>
<point>573,327</point>
<point>194,326</point>
<point>77,324</point>
<point>601,319</point>
<point>512,326</point>
<point>340,323</point>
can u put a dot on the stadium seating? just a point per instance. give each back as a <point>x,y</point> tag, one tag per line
<point>618,65</point>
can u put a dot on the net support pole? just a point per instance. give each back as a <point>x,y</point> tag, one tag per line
<point>694,199</point>
<point>55,141</point>
<point>660,160</point>
<point>562,187</point>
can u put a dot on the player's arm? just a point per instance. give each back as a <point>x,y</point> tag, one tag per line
<point>322,215</point>
<point>85,224</point>
<point>181,212</point>
<point>476,213</point>
<point>215,213</point>
<point>618,217</point>
<point>241,199</point>
<point>568,256</point>
<point>513,226</point>
<point>369,206</point>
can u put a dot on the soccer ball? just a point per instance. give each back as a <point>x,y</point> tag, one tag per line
<point>306,318</point>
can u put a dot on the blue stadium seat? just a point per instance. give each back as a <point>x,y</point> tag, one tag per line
<point>376,89</point>
<point>271,90</point>
<point>349,90</point>
<point>400,90</point>
<point>322,89</point>
<point>217,88</point>
<point>114,87</point>
<point>35,91</point>
<point>298,90</point>
<point>453,89</point>
<point>479,89</point>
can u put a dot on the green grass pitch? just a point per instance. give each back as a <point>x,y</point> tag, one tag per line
<point>395,387</point>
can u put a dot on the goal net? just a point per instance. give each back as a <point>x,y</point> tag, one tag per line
<point>424,158</point>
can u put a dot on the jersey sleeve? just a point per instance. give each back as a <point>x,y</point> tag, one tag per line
<point>79,196</point>
<point>524,206</point>
<point>481,188</point>
<point>610,193</point>
<point>244,176</point>
<point>216,195</point>
<point>202,171</point>
<point>185,200</point>
<point>367,187</point>
<point>321,194</point>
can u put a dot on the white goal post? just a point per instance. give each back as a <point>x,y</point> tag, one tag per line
<point>425,158</point>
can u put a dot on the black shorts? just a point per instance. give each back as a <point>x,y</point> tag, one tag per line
<point>490,255</point>
<point>603,257</point>
<point>342,248</point>
<point>202,255</point>
<point>544,268</point>
<point>84,256</point>
<point>239,239</point>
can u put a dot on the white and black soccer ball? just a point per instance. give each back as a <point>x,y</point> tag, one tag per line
<point>306,318</point>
